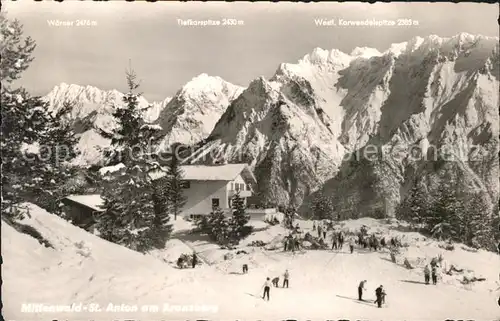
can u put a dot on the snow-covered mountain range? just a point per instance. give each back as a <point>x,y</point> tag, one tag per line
<point>300,128</point>
<point>192,113</point>
<point>186,118</point>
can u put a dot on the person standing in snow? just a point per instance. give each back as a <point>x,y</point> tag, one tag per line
<point>324,234</point>
<point>319,231</point>
<point>285,243</point>
<point>361,288</point>
<point>427,274</point>
<point>351,246</point>
<point>314,225</point>
<point>286,276</point>
<point>292,244</point>
<point>334,241</point>
<point>375,244</point>
<point>434,274</point>
<point>380,293</point>
<point>267,288</point>
<point>245,268</point>
<point>341,240</point>
<point>195,260</point>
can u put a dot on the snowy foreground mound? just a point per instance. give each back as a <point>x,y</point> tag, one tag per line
<point>83,269</point>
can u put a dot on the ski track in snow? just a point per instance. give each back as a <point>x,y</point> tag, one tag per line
<point>323,284</point>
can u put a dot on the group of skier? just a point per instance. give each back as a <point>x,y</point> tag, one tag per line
<point>338,238</point>
<point>291,243</point>
<point>379,293</point>
<point>364,240</point>
<point>431,273</point>
<point>374,243</point>
<point>371,242</point>
<point>183,260</point>
<point>274,282</point>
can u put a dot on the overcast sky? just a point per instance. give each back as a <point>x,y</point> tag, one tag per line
<point>166,55</point>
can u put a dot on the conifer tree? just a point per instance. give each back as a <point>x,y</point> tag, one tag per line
<point>128,210</point>
<point>239,220</point>
<point>415,207</point>
<point>133,138</point>
<point>322,207</point>
<point>161,229</point>
<point>16,51</point>
<point>136,209</point>
<point>443,218</point>
<point>174,186</point>
<point>36,145</point>
<point>476,222</point>
<point>219,226</point>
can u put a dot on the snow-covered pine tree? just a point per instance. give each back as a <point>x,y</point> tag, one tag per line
<point>415,207</point>
<point>16,51</point>
<point>322,207</point>
<point>477,222</point>
<point>59,144</point>
<point>239,220</point>
<point>128,209</point>
<point>174,186</point>
<point>443,218</point>
<point>132,207</point>
<point>36,145</point>
<point>133,138</point>
<point>160,230</point>
<point>218,226</point>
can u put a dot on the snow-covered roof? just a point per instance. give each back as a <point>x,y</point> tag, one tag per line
<point>93,201</point>
<point>227,172</point>
<point>111,169</point>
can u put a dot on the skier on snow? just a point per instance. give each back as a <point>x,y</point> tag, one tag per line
<point>375,244</point>
<point>286,276</point>
<point>195,260</point>
<point>361,288</point>
<point>275,281</point>
<point>267,288</point>
<point>379,292</point>
<point>427,274</point>
<point>334,241</point>
<point>341,240</point>
<point>434,274</point>
<point>351,246</point>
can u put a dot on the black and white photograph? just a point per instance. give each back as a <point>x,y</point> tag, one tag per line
<point>250,161</point>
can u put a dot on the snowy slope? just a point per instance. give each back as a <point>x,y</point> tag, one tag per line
<point>85,269</point>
